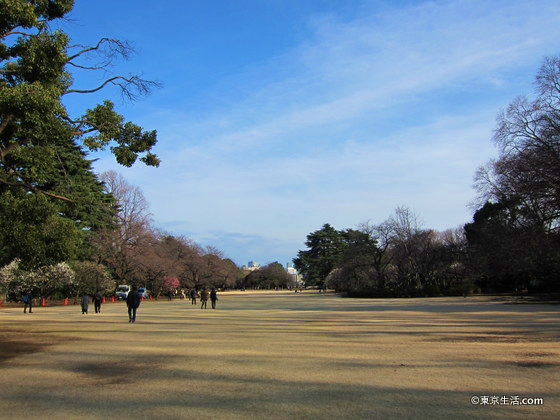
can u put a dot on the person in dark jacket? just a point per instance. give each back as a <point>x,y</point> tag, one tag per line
<point>194,294</point>
<point>213,297</point>
<point>27,299</point>
<point>203,298</point>
<point>133,302</point>
<point>97,299</point>
<point>85,302</point>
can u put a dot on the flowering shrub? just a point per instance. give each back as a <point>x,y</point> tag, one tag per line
<point>84,277</point>
<point>91,278</point>
<point>53,278</point>
<point>170,283</point>
<point>15,281</point>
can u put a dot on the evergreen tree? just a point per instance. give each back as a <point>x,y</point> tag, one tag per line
<point>325,248</point>
<point>50,200</point>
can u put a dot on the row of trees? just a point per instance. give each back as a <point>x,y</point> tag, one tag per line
<point>512,243</point>
<point>138,253</point>
<point>130,250</point>
<point>394,258</point>
<point>270,276</point>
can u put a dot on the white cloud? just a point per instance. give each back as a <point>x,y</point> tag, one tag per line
<point>364,116</point>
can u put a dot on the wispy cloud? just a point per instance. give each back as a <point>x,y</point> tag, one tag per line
<point>369,113</point>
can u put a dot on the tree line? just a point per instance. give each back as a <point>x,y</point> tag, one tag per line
<point>129,250</point>
<point>270,276</point>
<point>63,229</point>
<point>512,243</point>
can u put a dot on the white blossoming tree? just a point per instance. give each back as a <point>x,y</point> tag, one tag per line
<point>44,281</point>
<point>91,278</point>
<point>54,278</point>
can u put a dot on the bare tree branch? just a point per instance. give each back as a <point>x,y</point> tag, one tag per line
<point>127,85</point>
<point>38,190</point>
<point>98,67</point>
<point>16,33</point>
<point>114,48</point>
<point>6,121</point>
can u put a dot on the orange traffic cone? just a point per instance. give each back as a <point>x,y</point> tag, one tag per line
<point>113,299</point>
<point>150,297</point>
<point>66,301</point>
<point>44,302</point>
<point>103,300</point>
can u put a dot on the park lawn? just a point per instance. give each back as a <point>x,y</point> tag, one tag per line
<point>282,355</point>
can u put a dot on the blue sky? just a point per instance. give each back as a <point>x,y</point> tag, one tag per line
<point>277,116</point>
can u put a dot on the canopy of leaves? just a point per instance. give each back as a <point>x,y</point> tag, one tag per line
<point>32,230</point>
<point>325,248</point>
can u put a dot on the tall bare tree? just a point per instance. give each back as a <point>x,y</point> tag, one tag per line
<point>527,170</point>
<point>121,248</point>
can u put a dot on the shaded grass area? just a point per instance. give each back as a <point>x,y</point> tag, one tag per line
<point>14,343</point>
<point>283,356</point>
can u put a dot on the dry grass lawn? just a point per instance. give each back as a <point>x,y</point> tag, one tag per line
<point>281,356</point>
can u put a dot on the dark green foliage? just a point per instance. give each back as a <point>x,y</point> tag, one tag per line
<point>28,14</point>
<point>32,230</point>
<point>50,229</point>
<point>325,248</point>
<point>357,265</point>
<point>506,254</point>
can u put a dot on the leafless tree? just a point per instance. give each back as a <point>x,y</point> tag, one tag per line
<point>120,248</point>
<point>527,170</point>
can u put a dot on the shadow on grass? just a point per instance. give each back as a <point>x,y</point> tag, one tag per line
<point>190,393</point>
<point>14,343</point>
<point>551,299</point>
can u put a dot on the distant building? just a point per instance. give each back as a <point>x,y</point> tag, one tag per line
<point>251,266</point>
<point>296,277</point>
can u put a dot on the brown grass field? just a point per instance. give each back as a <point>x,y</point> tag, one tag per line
<point>282,355</point>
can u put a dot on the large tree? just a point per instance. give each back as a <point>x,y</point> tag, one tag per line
<point>41,144</point>
<point>356,269</point>
<point>325,248</point>
<point>122,247</point>
<point>514,239</point>
<point>527,170</point>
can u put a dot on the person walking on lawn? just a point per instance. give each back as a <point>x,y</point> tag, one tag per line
<point>85,302</point>
<point>204,298</point>
<point>133,302</point>
<point>194,294</point>
<point>97,299</point>
<point>27,300</point>
<point>213,297</point>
